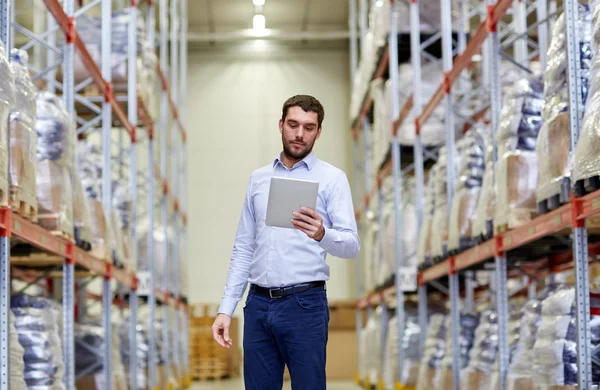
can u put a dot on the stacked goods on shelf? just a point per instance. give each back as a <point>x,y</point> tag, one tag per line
<point>554,140</point>
<point>586,164</point>
<point>90,169</point>
<point>122,207</point>
<point>23,139</point>
<point>82,216</point>
<point>371,253</point>
<point>410,344</point>
<point>477,375</point>
<point>38,326</point>
<point>424,250</point>
<point>54,164</point>
<point>433,132</point>
<point>484,214</point>
<point>381,129</point>
<point>16,363</point>
<point>89,354</point>
<point>409,237</point>
<point>521,366</point>
<point>517,168</point>
<point>373,342</point>
<point>468,325</point>
<point>439,235</point>
<point>207,358</point>
<point>467,190</point>
<point>515,314</point>
<point>117,239</point>
<point>555,349</point>
<point>7,102</point>
<point>435,348</point>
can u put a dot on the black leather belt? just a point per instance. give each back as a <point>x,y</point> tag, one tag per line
<point>280,292</point>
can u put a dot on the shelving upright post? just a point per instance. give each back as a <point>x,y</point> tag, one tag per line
<point>5,36</point>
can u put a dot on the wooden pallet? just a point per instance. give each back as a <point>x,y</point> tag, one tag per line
<point>37,259</point>
<point>21,206</point>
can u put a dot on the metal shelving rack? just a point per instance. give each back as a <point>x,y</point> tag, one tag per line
<point>128,115</point>
<point>501,32</point>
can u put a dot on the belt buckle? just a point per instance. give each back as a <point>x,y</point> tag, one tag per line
<point>271,293</point>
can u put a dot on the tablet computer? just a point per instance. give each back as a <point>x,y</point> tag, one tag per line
<point>288,195</point>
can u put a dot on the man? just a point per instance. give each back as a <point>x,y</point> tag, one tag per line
<point>286,314</point>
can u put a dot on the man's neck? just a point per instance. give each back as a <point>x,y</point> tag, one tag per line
<point>288,161</point>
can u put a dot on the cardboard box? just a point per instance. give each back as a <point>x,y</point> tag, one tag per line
<point>342,355</point>
<point>342,315</point>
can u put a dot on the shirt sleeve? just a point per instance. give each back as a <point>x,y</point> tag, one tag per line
<point>241,257</point>
<point>341,240</point>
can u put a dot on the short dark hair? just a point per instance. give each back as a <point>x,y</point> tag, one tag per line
<point>307,103</point>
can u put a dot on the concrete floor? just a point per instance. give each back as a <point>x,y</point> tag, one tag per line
<point>238,384</point>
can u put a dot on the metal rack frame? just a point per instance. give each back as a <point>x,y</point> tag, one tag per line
<point>494,37</point>
<point>62,16</point>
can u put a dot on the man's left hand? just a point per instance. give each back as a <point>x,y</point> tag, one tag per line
<point>309,222</point>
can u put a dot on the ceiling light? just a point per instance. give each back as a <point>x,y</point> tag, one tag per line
<point>258,2</point>
<point>258,22</point>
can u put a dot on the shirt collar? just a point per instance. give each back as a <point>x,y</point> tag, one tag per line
<point>310,161</point>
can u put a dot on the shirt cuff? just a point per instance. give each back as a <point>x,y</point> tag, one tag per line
<point>228,306</point>
<point>328,239</point>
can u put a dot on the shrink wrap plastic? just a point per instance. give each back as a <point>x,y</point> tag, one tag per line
<point>159,259</point>
<point>373,346</point>
<point>432,132</point>
<point>409,234</point>
<point>467,190</point>
<point>81,211</point>
<point>7,103</point>
<point>441,218</point>
<point>55,144</point>
<point>410,345</point>
<point>23,138</point>
<point>90,169</point>
<point>554,143</point>
<point>586,163</point>
<point>89,355</point>
<point>482,223</point>
<point>89,30</point>
<point>555,348</point>
<point>117,239</point>
<point>17,365</point>
<point>435,349</point>
<point>122,207</point>
<point>424,249</point>
<point>38,326</point>
<point>517,166</point>
<point>468,326</point>
<point>381,129</point>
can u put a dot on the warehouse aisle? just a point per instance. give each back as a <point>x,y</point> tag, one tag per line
<point>238,384</point>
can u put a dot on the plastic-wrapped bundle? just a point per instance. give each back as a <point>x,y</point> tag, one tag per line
<point>555,349</point>
<point>517,167</point>
<point>409,235</point>
<point>381,129</point>
<point>482,220</point>
<point>89,355</point>
<point>7,101</point>
<point>23,138</point>
<point>142,351</point>
<point>17,365</point>
<point>424,249</point>
<point>586,164</point>
<point>483,354</point>
<point>89,29</point>
<point>54,163</point>
<point>410,345</point>
<point>467,190</point>
<point>117,240</point>
<point>432,132</point>
<point>159,248</point>
<point>81,212</point>
<point>373,331</point>
<point>37,325</point>
<point>468,326</point>
<point>435,349</point>
<point>554,139</point>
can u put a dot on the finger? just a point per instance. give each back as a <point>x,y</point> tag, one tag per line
<point>311,212</point>
<point>217,336</point>
<point>226,336</point>
<point>304,217</point>
<point>309,233</point>
<point>304,225</point>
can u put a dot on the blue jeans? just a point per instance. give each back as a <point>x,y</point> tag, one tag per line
<point>291,331</point>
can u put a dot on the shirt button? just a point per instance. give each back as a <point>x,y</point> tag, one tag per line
<point>272,248</point>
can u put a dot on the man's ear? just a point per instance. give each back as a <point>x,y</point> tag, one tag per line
<point>281,126</point>
<point>318,133</point>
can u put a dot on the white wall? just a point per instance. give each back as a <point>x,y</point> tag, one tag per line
<point>234,104</point>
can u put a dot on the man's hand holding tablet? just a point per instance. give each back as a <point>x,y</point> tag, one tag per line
<point>309,222</point>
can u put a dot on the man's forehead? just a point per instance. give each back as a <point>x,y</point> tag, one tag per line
<point>299,115</point>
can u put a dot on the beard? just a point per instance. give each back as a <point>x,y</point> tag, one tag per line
<point>296,154</point>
